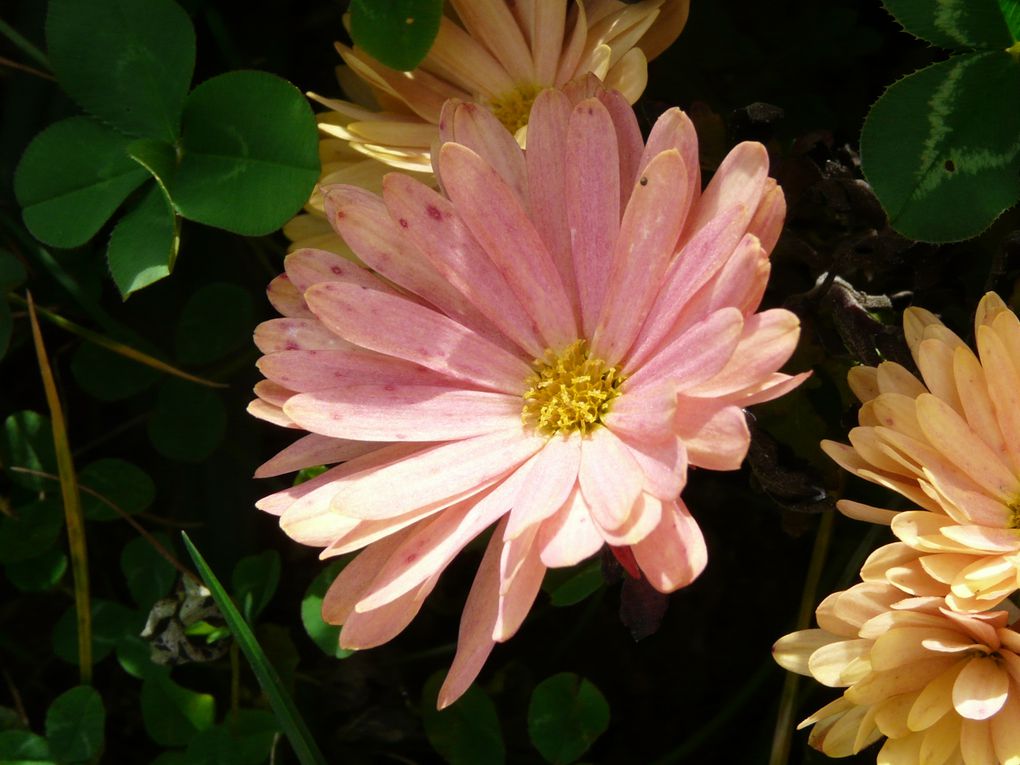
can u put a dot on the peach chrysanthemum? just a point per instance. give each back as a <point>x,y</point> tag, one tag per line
<point>490,52</point>
<point>951,445</point>
<point>942,686</point>
<point>543,348</point>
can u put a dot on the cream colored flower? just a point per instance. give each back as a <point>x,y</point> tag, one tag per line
<point>951,445</point>
<point>943,687</point>
<point>490,52</point>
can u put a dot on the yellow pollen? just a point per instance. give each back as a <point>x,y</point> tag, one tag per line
<point>569,392</point>
<point>1014,513</point>
<point>513,108</point>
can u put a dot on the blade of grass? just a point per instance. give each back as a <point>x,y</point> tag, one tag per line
<point>72,503</point>
<point>117,347</point>
<point>19,41</point>
<point>286,712</point>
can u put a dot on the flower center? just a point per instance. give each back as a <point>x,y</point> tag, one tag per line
<point>570,391</point>
<point>1014,514</point>
<point>513,108</point>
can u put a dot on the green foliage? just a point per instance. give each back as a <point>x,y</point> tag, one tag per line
<point>569,586</point>
<point>326,636</point>
<point>467,731</point>
<point>1011,13</point>
<point>120,482</point>
<point>75,723</point>
<point>19,747</point>
<point>27,442</point>
<point>940,147</point>
<point>112,622</point>
<point>149,575</point>
<point>213,155</point>
<point>189,421</point>
<point>254,581</point>
<point>43,572</point>
<point>30,530</point>
<point>216,320</point>
<point>244,739</point>
<point>174,715</point>
<point>109,376</point>
<point>12,276</point>
<point>567,713</point>
<point>398,33</point>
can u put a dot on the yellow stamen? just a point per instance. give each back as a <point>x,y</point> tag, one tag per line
<point>513,108</point>
<point>1014,514</point>
<point>570,391</point>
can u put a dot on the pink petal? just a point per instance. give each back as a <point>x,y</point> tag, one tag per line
<point>287,299</point>
<point>739,180</point>
<point>312,450</point>
<point>276,504</point>
<point>629,142</point>
<point>438,231</point>
<point>545,31</point>
<point>610,478</point>
<point>270,413</point>
<point>307,267</point>
<point>646,413</point>
<point>493,214</point>
<point>984,538</point>
<point>716,439</point>
<point>403,413</point>
<point>593,202</point>
<point>294,334</point>
<point>674,130</point>
<point>569,536</point>
<point>664,464</point>
<point>356,577</point>
<point>373,628</point>
<point>365,224</point>
<point>474,641</point>
<point>459,58</point>
<point>769,339</point>
<point>767,222</point>
<point>305,371</point>
<point>546,159</point>
<point>772,387</point>
<point>697,354</point>
<point>516,600</point>
<point>397,327</point>
<point>644,248</point>
<point>551,476</point>
<point>674,554</point>
<point>741,282</point>
<point>491,23</point>
<point>272,393</point>
<point>694,266</point>
<point>645,517</point>
<point>474,127</point>
<point>438,475</point>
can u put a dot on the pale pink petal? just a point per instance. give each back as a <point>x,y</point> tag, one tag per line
<point>768,340</point>
<point>356,577</point>
<point>610,478</point>
<point>397,327</point>
<point>573,44</point>
<point>741,282</point>
<point>517,595</point>
<point>569,536</point>
<point>551,476</point>
<point>629,75</point>
<point>437,475</point>
<point>1005,731</point>
<point>645,413</point>
<point>674,554</point>
<point>1003,387</point>
<point>458,58</point>
<point>767,222</point>
<point>674,130</point>
<point>715,438</point>
<point>696,355</point>
<point>474,127</point>
<point>373,628</point>
<point>771,387</point>
<point>867,513</point>
<point>272,393</point>
<point>286,298</point>
<point>740,180</point>
<point>440,233</point>
<point>980,689</point>
<point>387,412</point>
<point>304,371</point>
<point>499,223</point>
<point>312,450</point>
<point>593,203</point>
<point>545,35</point>
<point>546,159</point>
<point>474,641</point>
<point>270,413</point>
<point>492,23</point>
<point>694,265</point>
<point>294,334</point>
<point>307,267</point>
<point>645,518</point>
<point>664,464</point>
<point>650,226</point>
<point>629,142</point>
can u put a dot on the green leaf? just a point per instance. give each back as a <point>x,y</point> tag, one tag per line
<point>565,716</point>
<point>19,747</point>
<point>326,636</point>
<point>127,62</point>
<point>189,421</point>
<point>397,33</point>
<point>216,320</point>
<point>12,272</point>
<point>158,157</point>
<point>171,757</point>
<point>111,623</point>
<point>27,441</point>
<point>6,327</point>
<point>254,581</point>
<point>134,658</point>
<point>143,246</point>
<point>74,724</point>
<point>109,376</point>
<point>954,24</point>
<point>38,574</point>
<point>240,169</point>
<point>283,707</point>
<point>467,731</point>
<point>71,179</point>
<point>30,530</point>
<point>149,575</point>
<point>245,739</point>
<point>173,715</point>
<point>576,585</point>
<point>1011,12</point>
<point>941,147</point>
<point>125,485</point>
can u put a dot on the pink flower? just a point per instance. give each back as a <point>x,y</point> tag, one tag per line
<point>543,348</point>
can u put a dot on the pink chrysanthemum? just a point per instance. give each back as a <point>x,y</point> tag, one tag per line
<point>544,347</point>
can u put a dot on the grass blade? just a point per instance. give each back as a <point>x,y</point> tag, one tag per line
<point>283,706</point>
<point>72,503</point>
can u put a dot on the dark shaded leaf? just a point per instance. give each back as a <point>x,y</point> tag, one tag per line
<point>567,713</point>
<point>467,731</point>
<point>75,723</point>
<point>397,33</point>
<point>954,24</point>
